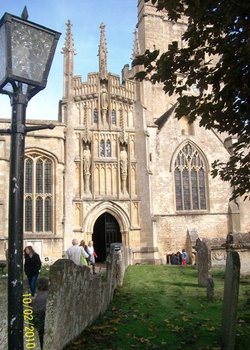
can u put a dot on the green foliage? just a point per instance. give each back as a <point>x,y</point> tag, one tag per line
<point>162,307</point>
<point>215,58</point>
<point>44,272</point>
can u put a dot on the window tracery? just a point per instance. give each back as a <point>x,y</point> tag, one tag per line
<point>190,179</point>
<point>95,116</point>
<point>38,194</point>
<point>113,116</point>
<point>105,148</point>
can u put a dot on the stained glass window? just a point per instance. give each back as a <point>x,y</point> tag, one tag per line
<point>28,214</point>
<point>39,214</point>
<point>95,116</point>
<point>39,176</point>
<point>108,149</point>
<point>105,148</point>
<point>47,176</point>
<point>190,179</point>
<point>28,177</point>
<point>113,116</point>
<point>38,194</point>
<point>48,214</point>
<point>102,148</point>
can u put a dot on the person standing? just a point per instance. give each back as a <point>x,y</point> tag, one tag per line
<point>174,259</point>
<point>178,254</point>
<point>184,257</point>
<point>84,254</point>
<point>32,266</point>
<point>92,255</point>
<point>74,252</point>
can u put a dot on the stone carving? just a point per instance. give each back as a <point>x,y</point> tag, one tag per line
<point>86,168</point>
<point>86,160</point>
<point>124,168</point>
<point>104,101</point>
<point>218,257</point>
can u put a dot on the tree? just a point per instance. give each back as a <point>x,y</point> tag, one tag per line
<point>216,60</point>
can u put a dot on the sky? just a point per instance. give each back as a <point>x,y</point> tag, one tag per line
<point>119,17</point>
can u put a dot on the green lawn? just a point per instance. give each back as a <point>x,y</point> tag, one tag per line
<point>162,307</point>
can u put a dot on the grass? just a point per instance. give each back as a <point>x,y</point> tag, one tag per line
<point>162,307</point>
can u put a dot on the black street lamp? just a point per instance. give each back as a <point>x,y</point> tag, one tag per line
<point>26,53</point>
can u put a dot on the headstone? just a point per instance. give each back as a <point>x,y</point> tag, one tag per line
<point>230,300</point>
<point>203,262</point>
<point>210,289</point>
<point>192,236</point>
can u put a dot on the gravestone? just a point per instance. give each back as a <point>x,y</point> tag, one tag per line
<point>230,300</point>
<point>203,262</point>
<point>210,289</point>
<point>192,236</point>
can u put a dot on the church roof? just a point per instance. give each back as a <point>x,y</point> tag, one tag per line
<point>164,117</point>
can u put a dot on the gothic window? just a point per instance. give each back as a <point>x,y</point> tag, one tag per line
<point>113,116</point>
<point>190,179</point>
<point>105,148</point>
<point>102,148</point>
<point>95,116</point>
<point>28,214</point>
<point>108,148</point>
<point>38,194</point>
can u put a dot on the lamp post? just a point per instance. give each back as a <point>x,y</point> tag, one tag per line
<point>26,53</point>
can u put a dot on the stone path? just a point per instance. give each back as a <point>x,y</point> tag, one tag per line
<point>39,304</point>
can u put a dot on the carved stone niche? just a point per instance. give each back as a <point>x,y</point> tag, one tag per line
<point>87,166</point>
<point>123,168</point>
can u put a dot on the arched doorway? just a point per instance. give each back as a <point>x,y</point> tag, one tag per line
<point>106,231</point>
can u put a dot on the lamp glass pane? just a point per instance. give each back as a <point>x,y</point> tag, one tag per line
<point>30,51</point>
<point>3,48</point>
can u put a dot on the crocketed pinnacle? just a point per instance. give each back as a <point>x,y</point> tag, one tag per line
<point>69,41</point>
<point>136,49</point>
<point>102,53</point>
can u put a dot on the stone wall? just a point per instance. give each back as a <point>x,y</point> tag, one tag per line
<point>76,298</point>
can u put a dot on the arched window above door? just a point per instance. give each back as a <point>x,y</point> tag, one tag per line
<point>105,148</point>
<point>190,176</point>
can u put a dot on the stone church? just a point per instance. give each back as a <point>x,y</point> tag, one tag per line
<point>118,166</point>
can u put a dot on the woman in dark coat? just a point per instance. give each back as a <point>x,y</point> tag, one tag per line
<point>32,266</point>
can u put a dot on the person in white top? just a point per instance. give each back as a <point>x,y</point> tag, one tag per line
<point>92,255</point>
<point>74,252</point>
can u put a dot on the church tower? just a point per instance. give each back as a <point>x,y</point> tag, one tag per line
<point>119,166</point>
<point>101,184</point>
<point>181,195</point>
